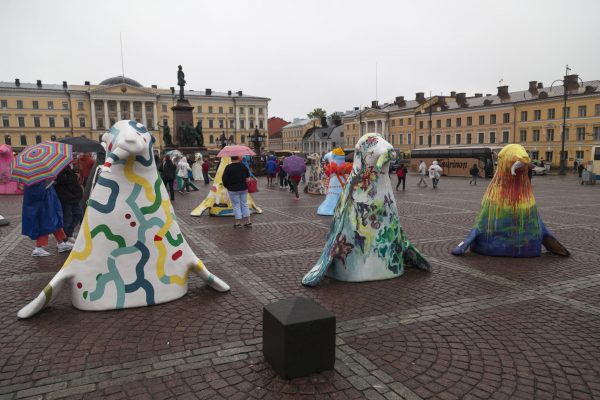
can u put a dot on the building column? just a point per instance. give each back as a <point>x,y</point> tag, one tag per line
<point>256,117</point>
<point>119,110</point>
<point>131,114</point>
<point>94,127</point>
<point>247,114</point>
<point>106,120</point>
<point>155,115</point>
<point>144,121</point>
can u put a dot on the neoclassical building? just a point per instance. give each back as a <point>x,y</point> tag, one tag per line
<point>33,112</point>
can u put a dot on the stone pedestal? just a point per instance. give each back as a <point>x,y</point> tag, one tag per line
<point>298,337</point>
<point>183,111</point>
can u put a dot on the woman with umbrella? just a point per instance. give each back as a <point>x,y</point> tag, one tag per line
<point>36,167</point>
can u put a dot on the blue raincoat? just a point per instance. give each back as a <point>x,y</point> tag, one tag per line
<point>42,212</point>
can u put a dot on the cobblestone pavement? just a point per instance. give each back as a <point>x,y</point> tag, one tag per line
<point>475,328</point>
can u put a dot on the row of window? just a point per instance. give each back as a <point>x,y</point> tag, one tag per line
<point>221,124</point>
<point>23,139</point>
<point>37,123</point>
<point>211,110</point>
<point>112,107</point>
<point>580,134</point>
<point>551,113</point>
<point>35,104</point>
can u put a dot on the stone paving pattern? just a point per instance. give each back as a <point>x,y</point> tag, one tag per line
<point>475,328</point>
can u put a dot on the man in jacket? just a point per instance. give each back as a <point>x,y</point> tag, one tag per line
<point>422,173</point>
<point>70,193</point>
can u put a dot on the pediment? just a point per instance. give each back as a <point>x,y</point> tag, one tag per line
<point>116,90</point>
<point>373,114</point>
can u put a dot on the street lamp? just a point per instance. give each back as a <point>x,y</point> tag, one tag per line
<point>430,122</point>
<point>258,140</point>
<point>223,140</point>
<point>569,82</point>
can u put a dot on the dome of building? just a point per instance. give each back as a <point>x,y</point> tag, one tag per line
<point>116,80</point>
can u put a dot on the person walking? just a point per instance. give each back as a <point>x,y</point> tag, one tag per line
<point>422,174</point>
<point>270,168</point>
<point>168,173</point>
<point>474,171</point>
<point>70,193</point>
<point>183,170</point>
<point>294,181</point>
<point>85,163</point>
<point>205,168</point>
<point>235,178</point>
<point>283,182</point>
<point>41,216</point>
<point>434,173</point>
<point>401,174</point>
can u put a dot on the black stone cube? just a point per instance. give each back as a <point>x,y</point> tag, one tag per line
<point>298,337</point>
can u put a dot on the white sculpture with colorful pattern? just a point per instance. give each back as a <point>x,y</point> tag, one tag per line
<point>130,251</point>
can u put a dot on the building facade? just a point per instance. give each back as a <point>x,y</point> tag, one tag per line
<point>293,133</point>
<point>532,118</point>
<point>32,113</point>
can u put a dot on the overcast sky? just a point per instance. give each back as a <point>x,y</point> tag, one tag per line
<point>304,54</point>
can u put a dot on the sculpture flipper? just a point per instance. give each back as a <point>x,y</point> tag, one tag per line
<point>211,280</point>
<point>551,243</point>
<point>414,258</point>
<point>46,296</point>
<point>465,245</point>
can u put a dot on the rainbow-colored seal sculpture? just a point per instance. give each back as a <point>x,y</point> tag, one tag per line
<point>508,224</point>
<point>130,251</point>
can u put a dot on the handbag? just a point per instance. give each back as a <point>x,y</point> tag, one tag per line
<point>252,185</point>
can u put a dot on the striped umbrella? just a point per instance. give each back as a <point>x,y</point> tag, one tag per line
<point>40,162</point>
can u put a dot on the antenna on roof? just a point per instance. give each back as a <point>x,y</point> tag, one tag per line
<point>500,81</point>
<point>123,87</point>
<point>376,98</point>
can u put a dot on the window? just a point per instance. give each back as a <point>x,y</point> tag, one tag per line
<point>261,124</point>
<point>164,108</point>
<point>579,155</point>
<point>493,119</point>
<point>438,139</point>
<point>448,140</point>
<point>523,115</point>
<point>210,109</point>
<point>429,124</point>
<point>5,122</point>
<point>35,104</point>
<point>241,110</point>
<point>506,118</point>
<point>251,124</point>
<point>469,121</point>
<point>409,136</point>
<point>260,111</point>
<point>230,110</point>
<point>211,139</point>
<point>448,123</point>
<point>582,111</point>
<point>80,105</point>
<point>4,104</point>
<point>220,109</point>
<point>549,135</point>
<point>221,124</point>
<point>401,136</point>
<point>492,137</point>
<point>250,110</point>
<point>421,140</point>
<point>458,138</point>
<point>537,115</point>
<point>420,124</point>
<point>65,105</point>
<point>210,124</point>
<point>36,122</point>
<point>19,103</point>
<point>482,120</point>
<point>597,133</point>
<point>66,122</point>
<point>232,123</point>
<point>112,121</point>
<point>504,136</point>
<point>410,121</point>
<point>82,122</point>
<point>568,112</point>
<point>468,138</point>
<point>402,119</point>
<point>100,123</point>
<point>242,124</point>
<point>549,156</point>
<point>243,139</point>
<point>438,123</point>
<point>165,122</point>
<point>21,122</point>
<point>523,136</point>
<point>7,139</point>
<point>480,137</point>
<point>23,140</point>
<point>535,155</point>
<point>536,135</point>
<point>580,134</point>
<point>50,105</point>
<point>566,134</point>
<point>551,113</point>
<point>596,107</point>
<point>38,139</point>
<point>458,122</point>
<point>51,122</point>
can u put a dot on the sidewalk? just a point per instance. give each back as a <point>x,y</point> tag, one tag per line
<point>476,327</point>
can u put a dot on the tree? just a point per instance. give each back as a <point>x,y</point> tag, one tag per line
<point>317,113</point>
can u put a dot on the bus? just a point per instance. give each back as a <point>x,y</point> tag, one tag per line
<point>457,160</point>
<point>594,164</point>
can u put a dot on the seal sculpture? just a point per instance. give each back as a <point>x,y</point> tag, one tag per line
<point>130,251</point>
<point>315,178</point>
<point>217,201</point>
<point>508,224</point>
<point>366,241</point>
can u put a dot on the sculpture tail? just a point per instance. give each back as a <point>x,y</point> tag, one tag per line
<point>211,280</point>
<point>315,275</point>
<point>414,258</point>
<point>463,246</point>
<point>206,204</point>
<point>46,296</point>
<point>551,243</point>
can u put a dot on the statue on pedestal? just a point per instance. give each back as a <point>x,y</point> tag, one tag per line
<point>167,136</point>
<point>180,82</point>
<point>199,135</point>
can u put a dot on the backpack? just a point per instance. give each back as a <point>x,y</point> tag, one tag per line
<point>400,172</point>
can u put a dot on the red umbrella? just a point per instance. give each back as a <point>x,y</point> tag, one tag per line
<point>236,150</point>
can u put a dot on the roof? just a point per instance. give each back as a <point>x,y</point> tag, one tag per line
<point>298,122</point>
<point>116,80</point>
<point>274,125</point>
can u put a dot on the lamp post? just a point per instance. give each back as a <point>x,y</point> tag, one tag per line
<point>223,140</point>
<point>257,139</point>
<point>430,122</point>
<point>573,82</point>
